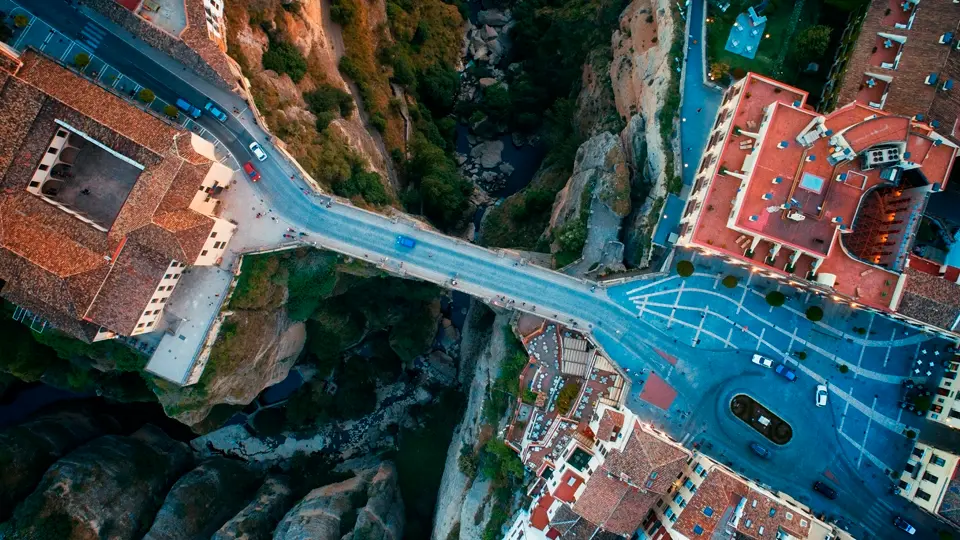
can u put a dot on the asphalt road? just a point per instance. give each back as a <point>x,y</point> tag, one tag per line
<point>499,277</point>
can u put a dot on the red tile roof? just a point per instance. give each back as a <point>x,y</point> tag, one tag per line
<point>610,424</point>
<point>56,265</point>
<point>565,490</point>
<point>647,461</point>
<point>718,494</point>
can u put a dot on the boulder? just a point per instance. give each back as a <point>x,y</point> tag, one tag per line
<point>27,450</point>
<point>488,33</point>
<point>203,500</point>
<point>487,81</point>
<point>506,168</point>
<point>259,518</point>
<point>461,159</point>
<point>493,17</point>
<point>110,487</point>
<point>488,153</point>
<point>365,506</point>
<point>481,53</point>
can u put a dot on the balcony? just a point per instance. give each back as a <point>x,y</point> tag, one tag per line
<point>900,13</point>
<point>873,91</point>
<point>886,51</point>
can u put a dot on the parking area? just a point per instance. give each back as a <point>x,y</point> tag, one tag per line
<point>705,312</point>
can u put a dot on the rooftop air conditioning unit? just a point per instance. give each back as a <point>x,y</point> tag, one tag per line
<point>796,216</point>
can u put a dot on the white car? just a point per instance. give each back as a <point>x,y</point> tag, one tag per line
<point>762,361</point>
<point>821,395</point>
<point>257,151</point>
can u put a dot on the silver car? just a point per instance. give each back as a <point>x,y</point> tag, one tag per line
<point>258,152</point>
<point>762,361</point>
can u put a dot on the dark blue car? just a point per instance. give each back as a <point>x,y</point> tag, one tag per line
<point>406,241</point>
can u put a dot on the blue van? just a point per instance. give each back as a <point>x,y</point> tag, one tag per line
<point>406,241</point>
<point>186,107</point>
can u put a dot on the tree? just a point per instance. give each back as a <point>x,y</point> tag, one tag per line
<point>21,20</point>
<point>146,95</point>
<point>814,313</point>
<point>171,111</point>
<point>730,282</point>
<point>843,368</point>
<point>776,298</point>
<point>811,43</point>
<point>284,57</point>
<point>685,268</point>
<point>718,70</point>
<point>81,60</point>
<point>566,397</point>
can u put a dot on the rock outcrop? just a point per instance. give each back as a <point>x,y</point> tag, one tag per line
<point>260,517</point>
<point>600,166</point>
<point>203,500</point>
<point>366,506</point>
<point>27,450</point>
<point>264,347</point>
<point>110,487</point>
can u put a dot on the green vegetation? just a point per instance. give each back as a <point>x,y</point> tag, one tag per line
<point>20,20</point>
<point>568,393</point>
<point>811,43</point>
<point>776,298</point>
<point>910,434</point>
<point>326,98</point>
<point>171,111</point>
<point>81,60</point>
<point>283,57</point>
<point>685,268</point>
<point>814,313</point>
<point>730,282</point>
<point>503,467</point>
<point>843,368</point>
<point>506,387</point>
<point>62,361</point>
<point>146,95</point>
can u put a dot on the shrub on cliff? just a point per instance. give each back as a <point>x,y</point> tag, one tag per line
<point>283,57</point>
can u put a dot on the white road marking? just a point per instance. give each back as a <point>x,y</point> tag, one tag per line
<point>890,347</point>
<point>863,347</point>
<point>866,432</point>
<point>729,335</point>
<point>845,409</point>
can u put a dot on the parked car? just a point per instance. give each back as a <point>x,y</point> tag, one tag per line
<point>903,525</point>
<point>785,372</point>
<point>406,241</point>
<point>215,111</point>
<point>186,107</point>
<point>821,395</point>
<point>762,361</point>
<point>252,173</point>
<point>257,151</point>
<point>759,450</point>
<point>825,490</point>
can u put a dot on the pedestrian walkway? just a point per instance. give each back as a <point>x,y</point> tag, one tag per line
<point>700,100</point>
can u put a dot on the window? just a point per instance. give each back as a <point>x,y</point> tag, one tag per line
<point>954,414</point>
<point>697,530</point>
<point>908,467</point>
<point>678,499</point>
<point>163,300</point>
<point>937,460</point>
<point>202,253</point>
<point>803,523</point>
<point>168,276</point>
<point>668,512</point>
<point>673,518</point>
<point>149,324</point>
<point>572,480</point>
<point>213,234</point>
<point>649,484</point>
<point>789,516</point>
<point>176,276</point>
<point>930,478</point>
<point>918,452</point>
<point>61,133</point>
<point>34,184</point>
<point>707,511</point>
<point>698,469</point>
<point>653,475</point>
<point>921,494</point>
<point>51,150</point>
<point>659,503</point>
<point>689,485</point>
<point>44,167</point>
<point>140,325</point>
<point>154,301</point>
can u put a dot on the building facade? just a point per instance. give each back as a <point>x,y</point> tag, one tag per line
<point>826,203</point>
<point>929,480</point>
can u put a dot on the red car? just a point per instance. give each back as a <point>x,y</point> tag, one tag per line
<point>251,172</point>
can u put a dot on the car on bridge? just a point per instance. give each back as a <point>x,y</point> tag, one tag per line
<point>785,372</point>
<point>252,173</point>
<point>215,111</point>
<point>762,361</point>
<point>406,241</point>
<point>186,107</point>
<point>258,152</point>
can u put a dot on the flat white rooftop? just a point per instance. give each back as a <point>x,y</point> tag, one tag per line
<point>189,315</point>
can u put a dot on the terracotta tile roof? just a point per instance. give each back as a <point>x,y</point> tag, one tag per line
<point>764,516</point>
<point>133,279</point>
<point>610,424</point>
<point>601,497</point>
<point>96,103</point>
<point>629,513</point>
<point>719,494</point>
<point>539,517</point>
<point>9,60</point>
<point>647,461</point>
<point>55,265</point>
<point>930,299</point>
<point>950,505</point>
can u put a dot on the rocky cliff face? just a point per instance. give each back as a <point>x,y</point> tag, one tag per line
<point>27,450</point>
<point>110,487</point>
<point>264,345</point>
<point>600,167</point>
<point>202,500</point>
<point>367,506</point>
<point>641,73</point>
<point>281,101</point>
